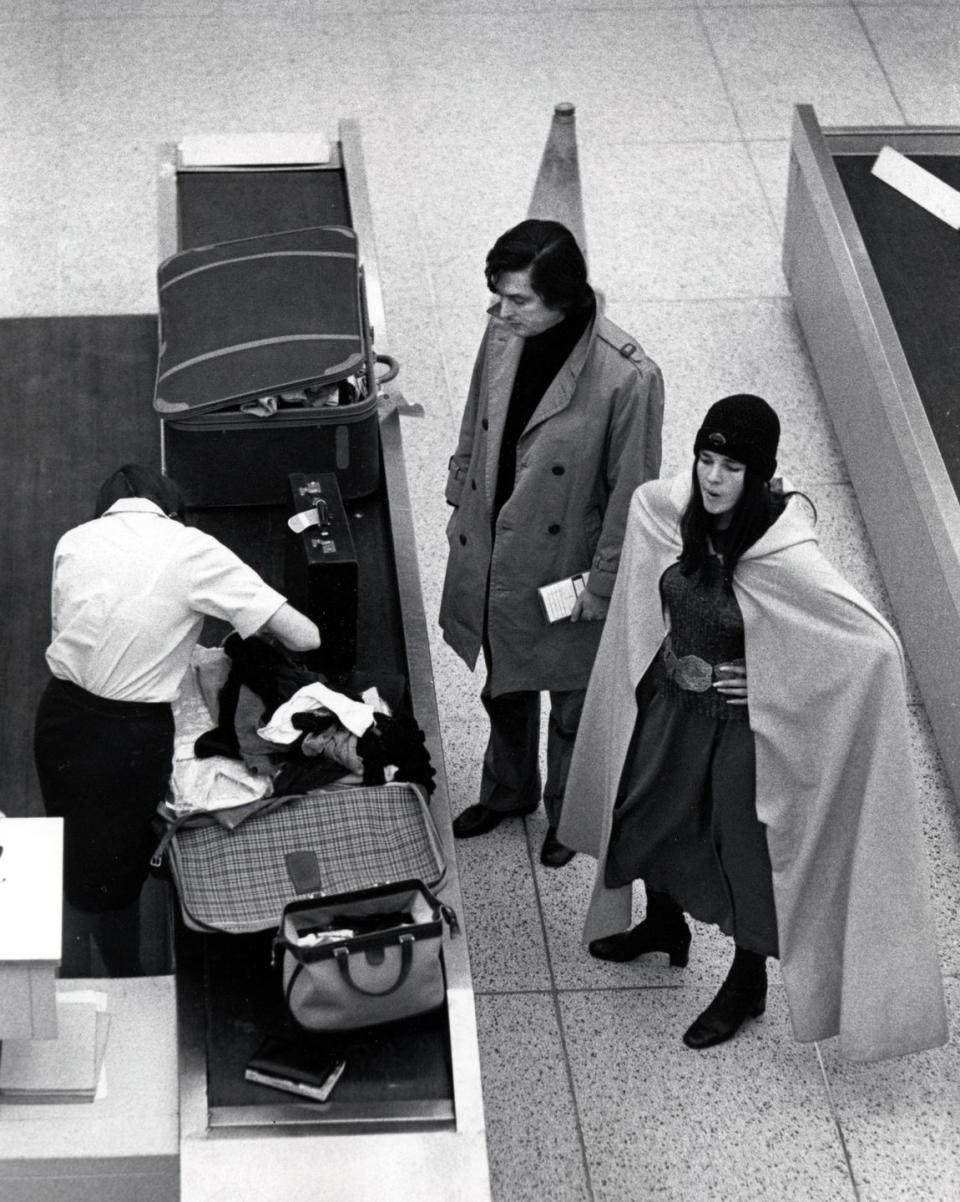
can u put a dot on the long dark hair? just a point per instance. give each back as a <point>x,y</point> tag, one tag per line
<point>137,480</point>
<point>759,506</point>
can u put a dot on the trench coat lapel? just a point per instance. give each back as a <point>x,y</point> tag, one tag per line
<point>503,356</point>
<point>562,387</point>
<point>504,353</point>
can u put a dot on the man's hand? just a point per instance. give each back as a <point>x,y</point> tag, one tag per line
<point>589,607</point>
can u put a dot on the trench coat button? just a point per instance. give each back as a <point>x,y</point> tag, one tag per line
<point>473,485</point>
<point>485,424</point>
<point>558,470</point>
<point>553,528</point>
<point>463,540</point>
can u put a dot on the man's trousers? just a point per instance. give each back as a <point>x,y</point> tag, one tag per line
<point>510,782</point>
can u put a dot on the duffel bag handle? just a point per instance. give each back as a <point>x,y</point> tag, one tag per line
<point>405,943</point>
<point>282,943</point>
<point>342,955</point>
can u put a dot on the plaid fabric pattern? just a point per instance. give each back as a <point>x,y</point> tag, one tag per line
<point>237,880</point>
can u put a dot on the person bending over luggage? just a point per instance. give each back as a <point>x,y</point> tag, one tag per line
<point>130,591</point>
<point>562,422</point>
<point>744,752</point>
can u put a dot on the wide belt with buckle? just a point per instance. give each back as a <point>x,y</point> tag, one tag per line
<point>689,672</point>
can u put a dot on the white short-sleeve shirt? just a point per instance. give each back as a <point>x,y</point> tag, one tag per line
<point>130,591</point>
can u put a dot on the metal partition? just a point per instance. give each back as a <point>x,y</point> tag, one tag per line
<point>908,499</point>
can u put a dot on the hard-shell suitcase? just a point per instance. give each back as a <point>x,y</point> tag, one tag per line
<point>266,367</point>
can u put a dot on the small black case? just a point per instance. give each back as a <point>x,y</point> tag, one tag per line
<point>321,570</point>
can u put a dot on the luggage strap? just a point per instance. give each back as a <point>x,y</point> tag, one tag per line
<point>229,818</point>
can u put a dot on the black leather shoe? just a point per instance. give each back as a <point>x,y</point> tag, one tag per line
<point>725,1015</point>
<point>641,939</point>
<point>553,853</point>
<point>478,819</point>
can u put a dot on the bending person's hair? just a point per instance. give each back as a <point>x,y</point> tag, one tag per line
<point>558,270</point>
<point>137,480</point>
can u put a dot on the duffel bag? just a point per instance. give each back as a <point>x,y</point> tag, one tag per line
<point>365,957</point>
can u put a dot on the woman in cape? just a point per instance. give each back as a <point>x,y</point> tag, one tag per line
<point>744,752</point>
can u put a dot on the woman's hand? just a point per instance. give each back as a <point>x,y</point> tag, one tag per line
<point>589,607</point>
<point>732,683</point>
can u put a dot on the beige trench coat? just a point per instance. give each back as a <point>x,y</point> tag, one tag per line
<point>592,439</point>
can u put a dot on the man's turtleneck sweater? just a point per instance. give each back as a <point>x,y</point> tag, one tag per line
<point>541,358</point>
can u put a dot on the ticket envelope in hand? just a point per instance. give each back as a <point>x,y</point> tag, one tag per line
<point>558,598</point>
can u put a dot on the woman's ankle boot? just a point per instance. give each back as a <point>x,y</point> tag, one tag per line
<point>664,929</point>
<point>742,995</point>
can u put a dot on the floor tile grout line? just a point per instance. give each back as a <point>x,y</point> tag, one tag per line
<point>572,990</point>
<point>434,308</point>
<point>61,164</point>
<point>577,989</point>
<point>721,74</point>
<point>858,17</point>
<point>558,1014</point>
<point>836,1122</point>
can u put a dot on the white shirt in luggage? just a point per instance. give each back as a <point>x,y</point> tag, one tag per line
<point>130,591</point>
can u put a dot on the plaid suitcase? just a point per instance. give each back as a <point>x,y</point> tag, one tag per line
<point>236,870</point>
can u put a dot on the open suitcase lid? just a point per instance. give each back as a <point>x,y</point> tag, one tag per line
<point>258,316</point>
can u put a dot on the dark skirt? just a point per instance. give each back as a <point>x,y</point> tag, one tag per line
<point>685,820</point>
<point>104,766</point>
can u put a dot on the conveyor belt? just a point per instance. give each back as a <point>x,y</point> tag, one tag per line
<point>399,1074</point>
<point>916,258</point>
<point>396,1075</point>
<point>402,1077</point>
<point>222,205</point>
<point>259,536</point>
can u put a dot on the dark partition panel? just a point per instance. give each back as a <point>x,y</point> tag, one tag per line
<point>77,402</point>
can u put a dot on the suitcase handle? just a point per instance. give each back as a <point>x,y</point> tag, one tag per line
<point>393,367</point>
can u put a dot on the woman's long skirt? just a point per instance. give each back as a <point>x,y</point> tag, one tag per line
<point>685,819</point>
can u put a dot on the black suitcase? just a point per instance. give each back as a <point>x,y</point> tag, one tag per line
<point>321,571</point>
<point>281,316</point>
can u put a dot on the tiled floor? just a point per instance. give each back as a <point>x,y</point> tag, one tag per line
<point>683,114</point>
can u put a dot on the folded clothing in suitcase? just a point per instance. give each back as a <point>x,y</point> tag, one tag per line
<point>235,870</point>
<point>278,316</point>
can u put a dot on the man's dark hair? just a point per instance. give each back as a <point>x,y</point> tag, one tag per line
<point>558,270</point>
<point>137,480</point>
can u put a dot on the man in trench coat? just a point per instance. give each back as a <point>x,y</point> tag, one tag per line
<point>562,423</point>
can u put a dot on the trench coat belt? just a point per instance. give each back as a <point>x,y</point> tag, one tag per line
<point>689,672</point>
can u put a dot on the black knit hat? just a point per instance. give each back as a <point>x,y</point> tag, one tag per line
<point>742,427</point>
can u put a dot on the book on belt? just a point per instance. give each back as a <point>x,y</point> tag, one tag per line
<point>557,600</point>
<point>296,1067</point>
